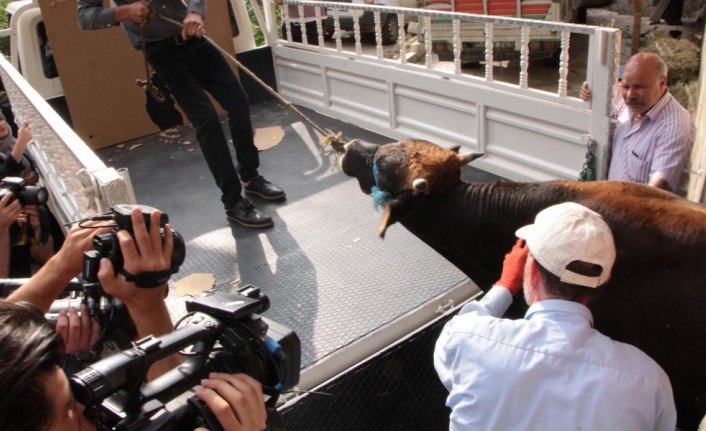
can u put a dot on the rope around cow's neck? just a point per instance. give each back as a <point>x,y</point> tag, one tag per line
<point>328,138</point>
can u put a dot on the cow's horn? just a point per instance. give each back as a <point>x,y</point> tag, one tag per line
<point>420,185</point>
<point>466,158</point>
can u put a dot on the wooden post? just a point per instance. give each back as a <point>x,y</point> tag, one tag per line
<point>697,173</point>
<point>636,24</point>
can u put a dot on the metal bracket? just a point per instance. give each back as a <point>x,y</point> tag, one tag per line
<point>444,308</point>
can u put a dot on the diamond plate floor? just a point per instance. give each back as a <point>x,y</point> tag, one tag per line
<point>327,274</point>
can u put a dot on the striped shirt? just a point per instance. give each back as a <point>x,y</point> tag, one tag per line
<point>656,146</point>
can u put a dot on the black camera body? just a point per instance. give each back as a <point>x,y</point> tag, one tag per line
<point>27,195</point>
<point>107,245</point>
<point>225,334</point>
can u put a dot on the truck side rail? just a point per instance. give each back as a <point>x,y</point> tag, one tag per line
<point>606,41</point>
<point>79,183</point>
<point>527,132</point>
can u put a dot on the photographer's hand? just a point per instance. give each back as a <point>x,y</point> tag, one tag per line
<point>80,333</point>
<point>44,286</point>
<point>39,252</point>
<point>9,211</point>
<point>236,400</point>
<point>145,253</point>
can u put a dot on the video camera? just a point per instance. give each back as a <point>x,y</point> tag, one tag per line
<point>116,325</point>
<point>27,195</point>
<point>107,245</point>
<point>225,334</point>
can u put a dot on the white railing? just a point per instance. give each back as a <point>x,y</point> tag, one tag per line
<point>78,182</point>
<point>460,28</point>
<point>525,116</point>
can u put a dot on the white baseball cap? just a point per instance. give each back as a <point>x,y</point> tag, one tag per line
<point>570,232</point>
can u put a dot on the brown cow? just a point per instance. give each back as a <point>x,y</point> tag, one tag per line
<point>656,299</point>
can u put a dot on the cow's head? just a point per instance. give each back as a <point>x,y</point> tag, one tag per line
<point>394,174</point>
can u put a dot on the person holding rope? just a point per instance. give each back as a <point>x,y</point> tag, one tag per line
<point>191,66</point>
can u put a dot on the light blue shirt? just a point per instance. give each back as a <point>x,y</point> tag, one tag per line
<point>548,371</point>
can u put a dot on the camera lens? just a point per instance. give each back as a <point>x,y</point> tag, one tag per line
<point>89,386</point>
<point>179,251</point>
<point>33,195</point>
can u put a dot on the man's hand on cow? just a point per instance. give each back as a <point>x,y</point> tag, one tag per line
<point>514,267</point>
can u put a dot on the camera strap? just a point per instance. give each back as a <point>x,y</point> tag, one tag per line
<point>148,279</point>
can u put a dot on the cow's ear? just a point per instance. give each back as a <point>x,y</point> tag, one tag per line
<point>392,212</point>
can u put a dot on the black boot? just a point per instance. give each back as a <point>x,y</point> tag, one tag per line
<point>265,189</point>
<point>245,213</point>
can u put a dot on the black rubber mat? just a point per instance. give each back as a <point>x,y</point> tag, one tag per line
<point>327,274</point>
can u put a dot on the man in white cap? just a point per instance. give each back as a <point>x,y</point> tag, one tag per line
<point>550,370</point>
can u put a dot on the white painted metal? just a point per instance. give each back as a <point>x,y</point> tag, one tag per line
<point>79,183</point>
<point>401,37</point>
<point>457,46</point>
<point>488,51</point>
<point>378,35</point>
<point>524,57</point>
<point>24,49</point>
<point>564,63</point>
<point>245,39</point>
<point>525,133</point>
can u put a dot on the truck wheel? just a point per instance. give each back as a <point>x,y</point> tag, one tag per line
<point>390,30</point>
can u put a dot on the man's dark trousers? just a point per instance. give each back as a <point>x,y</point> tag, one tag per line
<point>191,69</point>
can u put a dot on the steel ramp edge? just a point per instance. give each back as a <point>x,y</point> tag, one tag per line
<point>377,342</point>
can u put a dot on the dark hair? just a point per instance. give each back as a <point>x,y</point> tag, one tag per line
<point>571,292</point>
<point>30,350</point>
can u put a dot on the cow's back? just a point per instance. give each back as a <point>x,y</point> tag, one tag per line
<point>655,299</point>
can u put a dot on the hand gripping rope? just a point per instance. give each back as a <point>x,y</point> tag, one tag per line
<point>328,138</point>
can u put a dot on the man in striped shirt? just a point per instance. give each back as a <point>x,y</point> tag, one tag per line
<point>654,133</point>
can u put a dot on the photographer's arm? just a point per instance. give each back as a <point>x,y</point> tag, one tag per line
<point>24,135</point>
<point>40,253</point>
<point>44,286</point>
<point>9,210</point>
<point>146,253</point>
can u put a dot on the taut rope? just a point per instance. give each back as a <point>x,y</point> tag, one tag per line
<point>328,138</point>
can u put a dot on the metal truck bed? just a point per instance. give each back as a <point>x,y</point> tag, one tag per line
<point>346,292</point>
